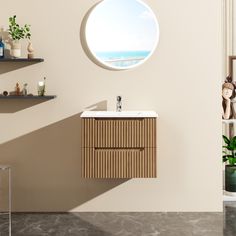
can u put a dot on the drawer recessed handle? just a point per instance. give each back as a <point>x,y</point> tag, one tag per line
<point>117,118</point>
<point>115,149</point>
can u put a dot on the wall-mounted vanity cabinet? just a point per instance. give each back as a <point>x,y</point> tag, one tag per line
<point>118,144</point>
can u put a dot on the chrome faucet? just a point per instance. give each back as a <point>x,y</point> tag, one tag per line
<point>118,104</point>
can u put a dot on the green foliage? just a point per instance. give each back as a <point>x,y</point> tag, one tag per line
<point>229,150</point>
<point>16,31</point>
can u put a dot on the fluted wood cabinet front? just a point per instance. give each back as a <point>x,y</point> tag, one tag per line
<point>119,148</point>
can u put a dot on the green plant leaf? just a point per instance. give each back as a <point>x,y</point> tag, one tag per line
<point>231,160</point>
<point>228,156</point>
<point>227,141</point>
<point>228,148</point>
<point>16,31</point>
<point>225,159</point>
<point>233,142</point>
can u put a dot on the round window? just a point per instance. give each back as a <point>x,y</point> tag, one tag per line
<point>121,34</point>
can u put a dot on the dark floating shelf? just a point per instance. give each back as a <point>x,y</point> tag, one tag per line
<point>33,60</point>
<point>48,97</point>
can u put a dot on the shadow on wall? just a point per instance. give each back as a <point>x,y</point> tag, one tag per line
<point>6,67</point>
<point>15,105</point>
<point>46,168</point>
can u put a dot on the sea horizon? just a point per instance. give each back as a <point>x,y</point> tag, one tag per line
<point>118,55</point>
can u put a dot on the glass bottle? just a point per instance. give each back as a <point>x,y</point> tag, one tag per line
<point>1,48</point>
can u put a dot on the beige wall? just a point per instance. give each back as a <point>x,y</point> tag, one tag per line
<point>181,81</point>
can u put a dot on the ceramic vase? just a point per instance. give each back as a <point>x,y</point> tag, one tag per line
<point>30,50</point>
<point>16,49</point>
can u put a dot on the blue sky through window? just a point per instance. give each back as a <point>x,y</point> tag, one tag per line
<point>121,25</point>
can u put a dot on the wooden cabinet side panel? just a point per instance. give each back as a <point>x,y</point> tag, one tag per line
<point>149,132</point>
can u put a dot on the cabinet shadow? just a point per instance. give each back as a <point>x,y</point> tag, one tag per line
<point>46,168</point>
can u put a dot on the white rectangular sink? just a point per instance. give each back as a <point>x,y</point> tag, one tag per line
<point>114,114</point>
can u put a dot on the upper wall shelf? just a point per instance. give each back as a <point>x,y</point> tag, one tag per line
<point>47,97</point>
<point>34,60</point>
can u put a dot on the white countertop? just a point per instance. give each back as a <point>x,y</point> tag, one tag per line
<point>122,114</point>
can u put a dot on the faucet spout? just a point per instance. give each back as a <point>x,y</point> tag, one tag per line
<point>118,103</point>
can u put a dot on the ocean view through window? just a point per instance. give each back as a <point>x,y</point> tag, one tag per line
<point>121,34</point>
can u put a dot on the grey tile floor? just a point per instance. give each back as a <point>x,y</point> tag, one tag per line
<point>123,224</point>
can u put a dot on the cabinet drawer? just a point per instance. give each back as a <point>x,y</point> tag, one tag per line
<point>119,163</point>
<point>119,133</point>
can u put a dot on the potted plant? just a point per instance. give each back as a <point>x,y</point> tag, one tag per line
<point>229,157</point>
<point>17,33</point>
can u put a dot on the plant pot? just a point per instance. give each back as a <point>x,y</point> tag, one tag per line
<point>16,49</point>
<point>230,178</point>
